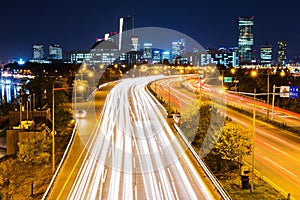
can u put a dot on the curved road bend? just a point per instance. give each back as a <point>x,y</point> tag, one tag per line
<point>132,153</point>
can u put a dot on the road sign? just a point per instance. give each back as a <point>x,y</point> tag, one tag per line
<point>285,91</point>
<point>293,92</point>
<point>227,79</point>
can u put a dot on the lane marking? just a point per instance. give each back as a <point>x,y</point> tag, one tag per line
<point>172,180</point>
<point>175,191</point>
<point>135,192</point>
<point>291,173</point>
<point>273,147</point>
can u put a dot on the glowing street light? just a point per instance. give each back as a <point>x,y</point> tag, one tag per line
<point>253,73</point>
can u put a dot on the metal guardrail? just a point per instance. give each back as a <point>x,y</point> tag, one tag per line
<point>212,178</point>
<point>61,162</point>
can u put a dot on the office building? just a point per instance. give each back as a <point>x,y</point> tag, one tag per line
<point>78,57</point>
<point>165,55</point>
<point>156,56</point>
<point>281,60</point>
<point>103,52</point>
<point>135,43</point>
<point>178,48</point>
<point>266,55</point>
<point>147,52</point>
<point>126,26</point>
<point>245,39</point>
<point>222,57</point>
<point>55,52</point>
<point>38,52</point>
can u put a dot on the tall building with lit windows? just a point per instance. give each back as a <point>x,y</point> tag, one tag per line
<point>281,60</point>
<point>38,52</point>
<point>126,26</point>
<point>55,52</point>
<point>148,52</point>
<point>246,39</point>
<point>178,48</point>
<point>266,55</point>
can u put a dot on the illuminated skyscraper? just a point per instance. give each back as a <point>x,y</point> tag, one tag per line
<point>38,52</point>
<point>246,39</point>
<point>178,48</point>
<point>148,52</point>
<point>55,52</point>
<point>266,55</point>
<point>126,27</point>
<point>281,53</point>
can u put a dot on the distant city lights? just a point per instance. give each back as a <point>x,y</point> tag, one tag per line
<point>21,61</point>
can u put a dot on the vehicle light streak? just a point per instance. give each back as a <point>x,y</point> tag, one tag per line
<point>134,154</point>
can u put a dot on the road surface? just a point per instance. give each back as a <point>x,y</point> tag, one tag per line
<point>131,153</point>
<point>277,152</point>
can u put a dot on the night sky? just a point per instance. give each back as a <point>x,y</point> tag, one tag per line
<point>74,25</point>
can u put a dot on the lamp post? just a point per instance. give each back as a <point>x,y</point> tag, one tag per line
<point>268,95</point>
<point>33,102</point>
<point>53,133</point>
<point>200,98</point>
<point>273,102</point>
<point>169,99</point>
<point>253,140</point>
<point>253,74</point>
<point>235,80</point>
<point>282,74</point>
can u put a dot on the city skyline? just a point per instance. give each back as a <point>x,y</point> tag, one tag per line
<point>76,27</point>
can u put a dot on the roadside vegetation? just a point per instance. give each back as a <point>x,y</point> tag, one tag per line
<point>222,149</point>
<point>27,174</point>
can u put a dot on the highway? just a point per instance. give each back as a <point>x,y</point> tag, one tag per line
<point>131,153</point>
<point>277,152</point>
<point>278,114</point>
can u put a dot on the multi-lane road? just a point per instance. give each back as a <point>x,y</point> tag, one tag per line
<point>130,153</point>
<point>277,152</point>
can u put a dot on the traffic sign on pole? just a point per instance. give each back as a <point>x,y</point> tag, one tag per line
<point>285,91</point>
<point>293,92</point>
<point>227,79</point>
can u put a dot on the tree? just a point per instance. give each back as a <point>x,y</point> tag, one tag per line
<point>10,178</point>
<point>34,151</point>
<point>233,144</point>
<point>62,118</point>
<point>202,126</point>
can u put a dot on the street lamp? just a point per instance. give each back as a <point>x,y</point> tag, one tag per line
<point>253,140</point>
<point>282,74</point>
<point>53,133</point>
<point>235,80</point>
<point>253,74</point>
<point>268,95</point>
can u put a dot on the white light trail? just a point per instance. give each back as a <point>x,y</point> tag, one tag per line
<point>133,139</point>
